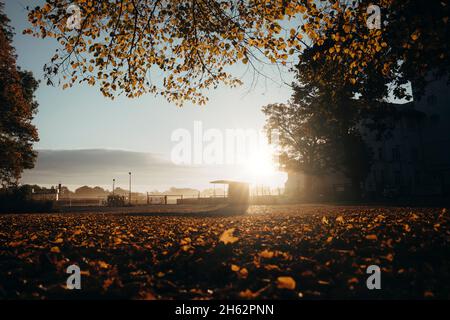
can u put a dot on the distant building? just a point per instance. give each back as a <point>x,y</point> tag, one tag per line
<point>413,161</point>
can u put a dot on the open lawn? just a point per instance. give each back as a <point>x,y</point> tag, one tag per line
<point>271,252</point>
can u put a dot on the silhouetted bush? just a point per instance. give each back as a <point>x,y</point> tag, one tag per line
<point>18,200</point>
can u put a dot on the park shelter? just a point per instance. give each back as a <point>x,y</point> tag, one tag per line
<point>238,192</point>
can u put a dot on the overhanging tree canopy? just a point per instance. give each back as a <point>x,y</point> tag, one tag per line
<point>177,48</point>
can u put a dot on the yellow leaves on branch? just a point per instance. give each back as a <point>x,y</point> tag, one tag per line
<point>125,52</point>
<point>191,41</point>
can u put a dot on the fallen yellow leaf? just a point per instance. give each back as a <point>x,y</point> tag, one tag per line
<point>372,237</point>
<point>248,294</point>
<point>55,250</point>
<point>286,283</point>
<point>266,254</point>
<point>234,268</point>
<point>227,237</point>
<point>243,272</point>
<point>271,267</point>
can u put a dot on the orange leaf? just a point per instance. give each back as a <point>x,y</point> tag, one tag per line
<point>286,283</point>
<point>266,254</point>
<point>55,250</point>
<point>248,294</point>
<point>234,268</point>
<point>227,237</point>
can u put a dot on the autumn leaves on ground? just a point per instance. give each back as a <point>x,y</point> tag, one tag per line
<point>287,252</point>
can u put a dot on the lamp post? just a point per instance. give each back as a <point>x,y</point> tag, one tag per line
<point>114,181</point>
<point>129,194</point>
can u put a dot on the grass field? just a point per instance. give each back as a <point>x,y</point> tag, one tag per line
<point>289,252</point>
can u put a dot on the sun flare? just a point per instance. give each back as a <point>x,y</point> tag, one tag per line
<point>261,168</point>
<point>260,164</point>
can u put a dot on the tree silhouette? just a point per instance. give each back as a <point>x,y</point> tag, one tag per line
<point>320,128</point>
<point>17,109</point>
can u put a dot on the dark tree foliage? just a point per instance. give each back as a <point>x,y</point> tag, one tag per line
<point>17,109</point>
<point>320,128</point>
<point>345,76</point>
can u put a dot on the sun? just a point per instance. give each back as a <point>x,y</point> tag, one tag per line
<point>260,168</point>
<point>260,164</point>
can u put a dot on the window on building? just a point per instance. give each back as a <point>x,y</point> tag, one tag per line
<point>380,154</point>
<point>396,153</point>
<point>398,177</point>
<point>411,124</point>
<point>414,154</point>
<point>434,118</point>
<point>417,177</point>
<point>432,100</point>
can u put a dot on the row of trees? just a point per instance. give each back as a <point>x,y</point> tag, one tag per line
<point>94,192</point>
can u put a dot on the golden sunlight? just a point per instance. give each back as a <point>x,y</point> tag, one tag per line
<point>261,168</point>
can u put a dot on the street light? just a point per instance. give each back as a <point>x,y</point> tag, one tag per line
<point>129,194</point>
<point>114,181</point>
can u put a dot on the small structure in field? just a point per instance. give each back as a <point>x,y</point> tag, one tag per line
<point>235,201</point>
<point>238,192</point>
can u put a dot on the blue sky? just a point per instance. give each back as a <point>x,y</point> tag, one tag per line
<point>81,118</point>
